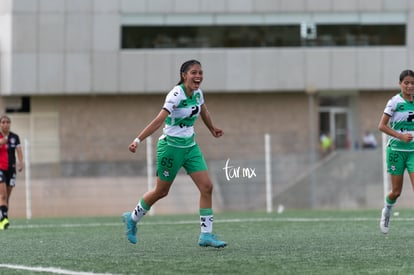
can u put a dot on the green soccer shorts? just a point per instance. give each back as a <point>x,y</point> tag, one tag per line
<point>398,161</point>
<point>170,159</point>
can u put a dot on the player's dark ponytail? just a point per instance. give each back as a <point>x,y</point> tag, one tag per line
<point>185,67</point>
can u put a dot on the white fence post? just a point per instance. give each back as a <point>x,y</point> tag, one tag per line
<point>268,159</point>
<point>27,176</point>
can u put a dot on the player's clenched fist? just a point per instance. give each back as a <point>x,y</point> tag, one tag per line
<point>134,145</point>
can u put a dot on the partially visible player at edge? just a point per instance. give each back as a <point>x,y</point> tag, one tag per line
<point>177,148</point>
<point>9,147</point>
<point>397,122</point>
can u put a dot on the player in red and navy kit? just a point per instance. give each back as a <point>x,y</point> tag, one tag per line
<point>9,147</point>
<point>4,165</point>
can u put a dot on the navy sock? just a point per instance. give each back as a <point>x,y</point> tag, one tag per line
<point>3,212</point>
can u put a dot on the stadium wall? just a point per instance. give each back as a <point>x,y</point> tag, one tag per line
<point>91,166</point>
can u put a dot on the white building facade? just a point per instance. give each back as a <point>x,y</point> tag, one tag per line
<point>67,48</point>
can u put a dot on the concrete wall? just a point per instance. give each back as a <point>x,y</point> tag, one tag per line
<point>99,129</point>
<point>346,180</point>
<point>106,196</point>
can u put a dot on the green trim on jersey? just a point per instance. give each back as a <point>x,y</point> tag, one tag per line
<point>401,120</point>
<point>181,142</point>
<point>182,122</point>
<point>182,118</point>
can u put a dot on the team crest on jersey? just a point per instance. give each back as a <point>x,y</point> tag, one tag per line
<point>393,168</point>
<point>197,96</point>
<point>166,173</point>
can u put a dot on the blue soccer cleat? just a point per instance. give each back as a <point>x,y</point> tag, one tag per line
<point>131,227</point>
<point>209,239</point>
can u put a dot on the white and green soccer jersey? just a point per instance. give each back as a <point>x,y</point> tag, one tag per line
<point>401,114</point>
<point>184,111</point>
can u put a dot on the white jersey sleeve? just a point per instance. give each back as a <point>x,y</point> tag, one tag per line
<point>172,99</point>
<point>390,107</point>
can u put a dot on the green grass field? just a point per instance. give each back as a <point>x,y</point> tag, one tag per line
<point>294,242</point>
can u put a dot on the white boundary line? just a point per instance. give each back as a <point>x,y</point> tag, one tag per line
<point>52,270</point>
<point>215,221</point>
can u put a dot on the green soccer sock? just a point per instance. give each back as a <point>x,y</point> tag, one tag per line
<point>140,210</point>
<point>389,203</point>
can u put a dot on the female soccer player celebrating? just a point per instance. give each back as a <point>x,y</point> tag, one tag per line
<point>177,148</point>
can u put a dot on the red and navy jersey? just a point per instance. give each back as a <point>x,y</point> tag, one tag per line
<point>12,143</point>
<point>4,156</point>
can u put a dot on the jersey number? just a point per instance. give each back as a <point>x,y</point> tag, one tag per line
<point>393,158</point>
<point>167,162</point>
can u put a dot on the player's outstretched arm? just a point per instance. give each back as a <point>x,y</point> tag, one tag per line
<point>153,126</point>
